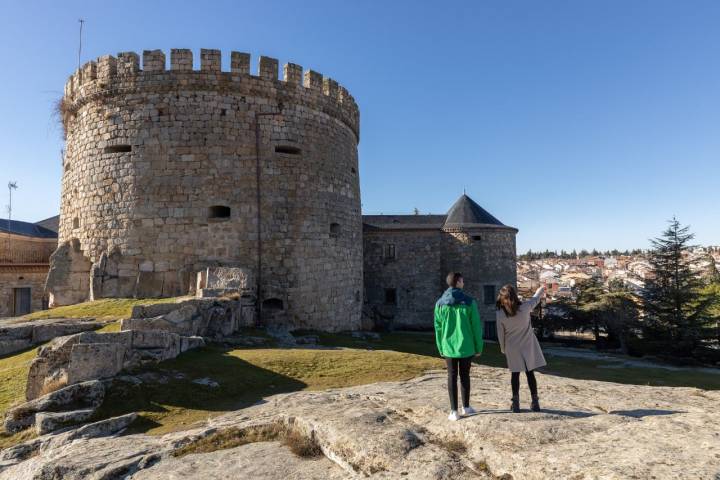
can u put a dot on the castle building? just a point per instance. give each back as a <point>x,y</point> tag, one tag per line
<point>169,171</point>
<point>407,258</point>
<point>25,250</point>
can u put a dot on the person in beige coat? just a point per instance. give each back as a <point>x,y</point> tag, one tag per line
<point>518,341</point>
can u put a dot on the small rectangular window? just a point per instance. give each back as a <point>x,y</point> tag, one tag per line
<point>390,253</point>
<point>219,211</point>
<point>489,294</point>
<point>118,148</point>
<point>287,149</point>
<point>391,296</point>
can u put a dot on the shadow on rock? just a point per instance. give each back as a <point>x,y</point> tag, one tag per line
<point>641,412</point>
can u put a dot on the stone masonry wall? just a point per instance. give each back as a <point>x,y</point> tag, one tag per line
<point>485,256</point>
<point>160,180</point>
<point>414,273</point>
<point>27,277</point>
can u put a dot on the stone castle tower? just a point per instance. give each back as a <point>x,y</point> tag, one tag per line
<point>169,171</point>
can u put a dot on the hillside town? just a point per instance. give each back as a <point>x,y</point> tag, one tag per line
<point>561,274</point>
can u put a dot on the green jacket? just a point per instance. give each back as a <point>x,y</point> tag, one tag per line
<point>458,329</point>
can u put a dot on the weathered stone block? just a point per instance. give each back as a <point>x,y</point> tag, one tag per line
<point>89,361</point>
<point>86,395</point>
<point>229,278</point>
<point>10,346</point>
<point>46,422</point>
<point>188,343</point>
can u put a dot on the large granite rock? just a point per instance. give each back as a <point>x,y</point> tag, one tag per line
<point>91,355</point>
<point>16,336</point>
<point>87,396</point>
<point>588,430</point>
<point>215,318</point>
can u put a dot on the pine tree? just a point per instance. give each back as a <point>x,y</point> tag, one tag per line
<point>673,310</point>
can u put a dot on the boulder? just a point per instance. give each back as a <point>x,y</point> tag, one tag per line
<point>103,428</point>
<point>52,357</point>
<point>14,345</point>
<point>153,310</point>
<point>188,343</point>
<point>89,361</point>
<point>43,333</point>
<point>46,422</point>
<point>228,278</point>
<point>86,394</point>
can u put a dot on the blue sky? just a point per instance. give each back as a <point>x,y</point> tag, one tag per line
<point>585,124</point>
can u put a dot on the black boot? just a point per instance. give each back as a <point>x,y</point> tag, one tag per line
<point>535,406</point>
<point>515,406</point>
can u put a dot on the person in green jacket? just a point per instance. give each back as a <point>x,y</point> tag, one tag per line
<point>459,337</point>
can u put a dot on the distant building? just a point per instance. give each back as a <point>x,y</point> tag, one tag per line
<point>25,250</point>
<point>407,257</point>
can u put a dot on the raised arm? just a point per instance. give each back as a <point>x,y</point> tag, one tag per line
<point>535,299</point>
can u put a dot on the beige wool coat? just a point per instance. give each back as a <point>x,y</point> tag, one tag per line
<point>517,338</point>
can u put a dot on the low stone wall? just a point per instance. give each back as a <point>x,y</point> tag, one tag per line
<point>19,336</point>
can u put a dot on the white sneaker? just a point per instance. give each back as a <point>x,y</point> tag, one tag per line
<point>468,411</point>
<point>453,417</point>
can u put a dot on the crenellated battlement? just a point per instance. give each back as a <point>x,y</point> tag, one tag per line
<point>128,72</point>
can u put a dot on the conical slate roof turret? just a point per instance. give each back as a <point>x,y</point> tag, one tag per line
<point>466,213</point>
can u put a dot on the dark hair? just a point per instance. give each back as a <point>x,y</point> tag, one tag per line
<point>453,278</point>
<point>507,300</point>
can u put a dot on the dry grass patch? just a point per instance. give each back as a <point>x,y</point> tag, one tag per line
<point>301,445</point>
<point>455,446</point>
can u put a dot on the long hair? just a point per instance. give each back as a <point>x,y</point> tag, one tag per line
<point>508,301</point>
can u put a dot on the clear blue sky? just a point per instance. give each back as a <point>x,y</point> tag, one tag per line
<point>583,123</point>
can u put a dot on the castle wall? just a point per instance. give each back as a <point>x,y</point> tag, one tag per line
<point>414,274</point>
<point>160,181</point>
<point>486,258</point>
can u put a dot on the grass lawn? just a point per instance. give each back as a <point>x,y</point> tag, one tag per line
<point>246,375</point>
<point>13,377</point>
<point>104,309</point>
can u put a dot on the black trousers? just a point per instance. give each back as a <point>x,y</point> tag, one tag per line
<point>515,382</point>
<point>459,366</point>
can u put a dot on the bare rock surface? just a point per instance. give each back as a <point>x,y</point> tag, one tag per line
<point>18,335</point>
<point>588,430</point>
<point>248,461</point>
<point>86,395</point>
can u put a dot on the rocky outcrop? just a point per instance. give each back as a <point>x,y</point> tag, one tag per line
<point>214,318</point>
<point>91,355</point>
<point>68,280</point>
<point>588,430</point>
<point>18,336</point>
<point>86,396</point>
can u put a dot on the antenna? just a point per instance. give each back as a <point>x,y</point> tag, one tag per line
<point>11,186</point>
<point>80,45</point>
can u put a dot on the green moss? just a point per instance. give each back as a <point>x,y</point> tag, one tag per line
<point>105,309</point>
